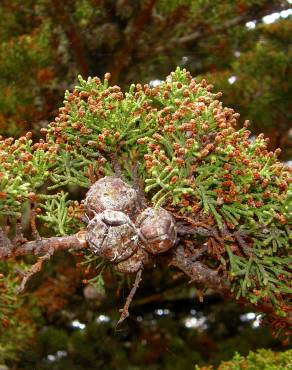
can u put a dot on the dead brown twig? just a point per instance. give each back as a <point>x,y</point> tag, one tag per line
<point>125,310</point>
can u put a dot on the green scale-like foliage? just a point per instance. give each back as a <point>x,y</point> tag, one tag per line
<point>191,160</point>
<point>262,359</point>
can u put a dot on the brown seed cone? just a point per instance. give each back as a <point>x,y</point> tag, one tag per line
<point>112,235</point>
<point>157,230</point>
<point>111,193</point>
<point>133,263</point>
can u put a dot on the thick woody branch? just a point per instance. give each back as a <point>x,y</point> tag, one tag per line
<point>196,271</point>
<point>201,274</point>
<point>42,246</point>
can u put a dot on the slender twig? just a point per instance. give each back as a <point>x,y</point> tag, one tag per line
<point>33,226</point>
<point>19,238</point>
<point>5,245</point>
<point>33,270</point>
<point>138,186</point>
<point>242,243</point>
<point>125,310</point>
<point>116,165</point>
<point>191,230</point>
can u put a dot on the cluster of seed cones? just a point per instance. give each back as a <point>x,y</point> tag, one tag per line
<point>119,231</point>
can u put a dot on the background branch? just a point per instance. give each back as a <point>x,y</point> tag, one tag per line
<point>236,21</point>
<point>121,58</point>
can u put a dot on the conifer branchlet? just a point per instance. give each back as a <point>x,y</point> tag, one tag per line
<point>179,148</point>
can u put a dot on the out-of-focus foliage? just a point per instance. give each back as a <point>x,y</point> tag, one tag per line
<point>18,316</point>
<point>261,83</point>
<point>45,44</point>
<point>262,359</point>
<point>24,73</point>
<point>156,337</point>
